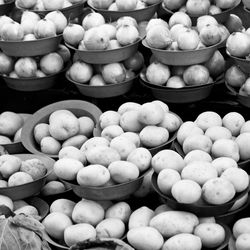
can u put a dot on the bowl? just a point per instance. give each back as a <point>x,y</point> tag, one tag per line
<point>32,188</point>
<point>231,244</point>
<point>139,15</point>
<point>106,56</point>
<point>7,7</point>
<point>183,58</point>
<point>114,192</point>
<point>243,63</point>
<point>201,210</point>
<point>31,48</point>
<point>106,91</point>
<point>181,95</point>
<point>33,83</point>
<point>78,107</point>
<point>221,17</point>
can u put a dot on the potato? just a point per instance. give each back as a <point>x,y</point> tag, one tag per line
<point>6,201</point>
<point>146,186</point>
<point>64,206</point>
<point>108,118</point>
<point>50,145</point>
<point>207,220</point>
<point>72,153</point>
<point>217,132</point>
<point>87,211</point>
<point>29,210</point>
<point>182,241</point>
<point>153,136</point>
<point>53,187</point>
<point>167,159</point>
<point>78,232</point>
<point>111,132</point>
<point>223,163</point>
<point>75,141</point>
<point>218,191</point>
<point>171,223</point>
<point>19,203</point>
<point>123,146</point>
<point>10,122</point>
<point>94,142</point>
<point>134,137</point>
<point>123,171</point>
<point>140,217</point>
<point>145,238</point>
<point>208,119</point>
<point>67,168</point>
<point>17,137</point>
<point>120,210</point>
<point>86,126</point>
<point>9,165</point>
<point>41,130</point>
<point>34,167</point>
<point>5,140</point>
<point>3,183</point>
<point>243,242</point>
<point>102,155</point>
<point>93,175</point>
<point>129,121</point>
<point>141,157</point>
<point>170,122</point>
<point>19,178</point>
<point>162,104</point>
<point>199,171</point>
<point>211,234</point>
<point>197,155</point>
<point>127,106</point>
<point>110,228</point>
<point>241,226</point>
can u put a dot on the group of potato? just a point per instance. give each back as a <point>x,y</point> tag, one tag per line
<point>149,124</point>
<point>15,172</point>
<point>63,129</point>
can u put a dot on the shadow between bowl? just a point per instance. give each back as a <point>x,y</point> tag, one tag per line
<point>7,7</point>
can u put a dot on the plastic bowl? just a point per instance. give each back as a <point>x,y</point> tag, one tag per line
<point>79,108</point>
<point>7,7</point>
<point>31,48</point>
<point>201,210</point>
<point>33,83</point>
<point>114,192</point>
<point>32,188</point>
<point>243,63</point>
<point>139,15</point>
<point>221,17</point>
<point>109,90</point>
<point>181,95</point>
<point>183,58</point>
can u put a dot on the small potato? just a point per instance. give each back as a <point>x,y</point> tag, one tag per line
<point>120,210</point>
<point>197,155</point>
<point>183,241</point>
<point>111,132</point>
<point>86,126</point>
<point>93,175</point>
<point>3,183</point>
<point>19,178</point>
<point>108,118</point>
<point>41,130</point>
<point>78,232</point>
<point>153,136</point>
<point>186,191</point>
<point>199,171</point>
<point>171,223</point>
<point>218,191</point>
<point>127,106</point>
<point>34,167</point>
<point>64,206</point>
<point>129,121</point>
<point>19,203</point>
<point>110,228</point>
<point>145,238</point>
<point>170,122</point>
<point>123,146</point>
<point>29,210</point>
<point>53,187</point>
<point>141,157</point>
<point>140,217</point>
<point>102,155</point>
<point>94,142</point>
<point>223,163</point>
<point>75,141</point>
<point>67,168</point>
<point>9,165</point>
<point>241,226</point>
<point>134,137</point>
<point>123,171</point>
<point>243,242</point>
<point>72,153</point>
<point>5,140</point>
<point>211,234</point>
<point>50,145</point>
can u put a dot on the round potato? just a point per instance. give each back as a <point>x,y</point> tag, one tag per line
<point>197,155</point>
<point>86,126</point>
<point>123,171</point>
<point>170,122</point>
<point>94,142</point>
<point>72,153</point>
<point>223,163</point>
<point>111,132</point>
<point>134,137</point>
<point>217,132</point>
<point>41,130</point>
<point>93,175</point>
<point>129,121</point>
<point>145,238</point>
<point>53,187</point>
<point>241,226</point>
<point>19,178</point>
<point>153,136</point>
<point>243,242</point>
<point>208,119</point>
<point>28,210</point>
<point>108,118</point>
<point>9,164</point>
<point>127,106</point>
<point>64,206</point>
<point>120,210</point>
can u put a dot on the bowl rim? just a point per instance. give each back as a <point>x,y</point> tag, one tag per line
<point>237,58</point>
<point>8,3</point>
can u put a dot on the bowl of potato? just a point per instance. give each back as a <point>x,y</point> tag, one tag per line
<point>24,174</point>
<point>45,133</point>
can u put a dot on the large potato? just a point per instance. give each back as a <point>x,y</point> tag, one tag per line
<point>241,226</point>
<point>127,106</point>
<point>93,175</point>
<point>102,155</point>
<point>94,142</point>
<point>111,132</point>
<point>140,217</point>
<point>108,118</point>
<point>10,122</point>
<point>171,223</point>
<point>183,241</point>
<point>145,238</point>
<point>129,121</point>
<point>9,164</point>
<point>153,136</point>
<point>120,210</point>
<point>123,171</point>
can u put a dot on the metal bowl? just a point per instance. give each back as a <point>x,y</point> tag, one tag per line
<point>31,48</point>
<point>140,15</point>
<point>32,188</point>
<point>201,210</point>
<point>183,58</point>
<point>78,107</point>
<point>7,7</point>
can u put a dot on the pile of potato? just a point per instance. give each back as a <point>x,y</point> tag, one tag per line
<point>15,172</point>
